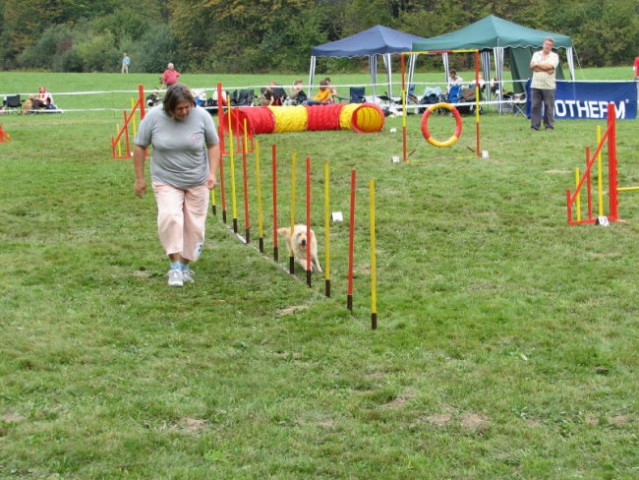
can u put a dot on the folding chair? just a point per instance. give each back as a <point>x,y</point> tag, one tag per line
<point>454,94</point>
<point>13,101</point>
<point>245,98</point>
<point>357,94</point>
<point>519,105</point>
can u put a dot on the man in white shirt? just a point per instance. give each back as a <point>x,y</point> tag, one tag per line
<point>543,86</point>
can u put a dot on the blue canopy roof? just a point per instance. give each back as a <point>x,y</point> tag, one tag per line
<point>377,40</point>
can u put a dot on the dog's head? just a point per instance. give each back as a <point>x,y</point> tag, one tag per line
<point>300,238</point>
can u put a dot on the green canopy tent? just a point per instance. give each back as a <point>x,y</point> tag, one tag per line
<point>496,35</point>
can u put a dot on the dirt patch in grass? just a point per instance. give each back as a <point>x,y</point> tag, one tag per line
<point>475,421</point>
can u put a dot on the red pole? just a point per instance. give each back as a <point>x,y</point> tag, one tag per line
<point>612,163</point>
<point>220,116</point>
<point>308,221</point>
<point>351,245</point>
<point>274,164</point>
<point>141,101</point>
<point>126,136</point>
<point>589,184</point>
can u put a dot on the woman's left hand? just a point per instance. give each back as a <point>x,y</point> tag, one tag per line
<point>211,181</point>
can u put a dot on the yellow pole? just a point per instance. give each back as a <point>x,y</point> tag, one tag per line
<point>213,205</point>
<point>293,182</point>
<point>578,198</point>
<point>117,132</point>
<point>599,174</point>
<point>260,223</point>
<point>327,229</point>
<point>291,257</point>
<point>245,137</point>
<point>373,258</point>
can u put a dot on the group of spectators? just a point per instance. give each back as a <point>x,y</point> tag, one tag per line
<point>38,102</point>
<point>274,94</point>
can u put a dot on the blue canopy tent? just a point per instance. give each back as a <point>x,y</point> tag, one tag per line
<point>378,40</point>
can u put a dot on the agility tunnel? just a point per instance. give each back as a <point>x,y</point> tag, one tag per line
<point>359,117</point>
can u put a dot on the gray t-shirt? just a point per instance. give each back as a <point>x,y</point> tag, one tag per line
<point>179,156</point>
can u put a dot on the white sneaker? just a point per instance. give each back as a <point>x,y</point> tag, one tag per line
<point>188,275</point>
<point>176,279</point>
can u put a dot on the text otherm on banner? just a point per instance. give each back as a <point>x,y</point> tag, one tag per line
<point>589,100</point>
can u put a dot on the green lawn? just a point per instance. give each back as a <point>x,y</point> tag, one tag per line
<point>506,341</point>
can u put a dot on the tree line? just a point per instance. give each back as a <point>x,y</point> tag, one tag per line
<point>256,36</point>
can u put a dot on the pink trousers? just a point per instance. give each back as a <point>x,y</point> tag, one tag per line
<point>182,219</point>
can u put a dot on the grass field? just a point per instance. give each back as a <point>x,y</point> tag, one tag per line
<point>506,345</point>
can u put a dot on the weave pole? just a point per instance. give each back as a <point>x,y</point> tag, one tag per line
<point>373,257</point>
<point>232,167</point>
<point>220,116</point>
<point>327,232</point>
<point>258,181</point>
<point>309,268</point>
<point>245,183</point>
<point>274,167</point>
<point>351,245</point>
<point>291,258</point>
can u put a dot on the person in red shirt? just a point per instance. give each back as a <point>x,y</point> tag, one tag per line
<point>636,68</point>
<point>170,76</point>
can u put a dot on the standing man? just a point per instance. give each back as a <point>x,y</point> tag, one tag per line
<point>543,86</point>
<point>635,68</point>
<point>170,76</point>
<point>126,61</point>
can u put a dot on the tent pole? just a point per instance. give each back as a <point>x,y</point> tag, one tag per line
<point>372,62</point>
<point>389,75</point>
<point>311,75</point>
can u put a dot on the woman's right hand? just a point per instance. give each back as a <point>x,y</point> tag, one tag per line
<point>140,187</point>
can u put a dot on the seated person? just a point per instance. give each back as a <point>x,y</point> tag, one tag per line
<point>323,96</point>
<point>273,95</point>
<point>44,95</point>
<point>454,79</point>
<point>199,95</point>
<point>334,94</point>
<point>481,83</point>
<point>43,99</point>
<point>296,94</point>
